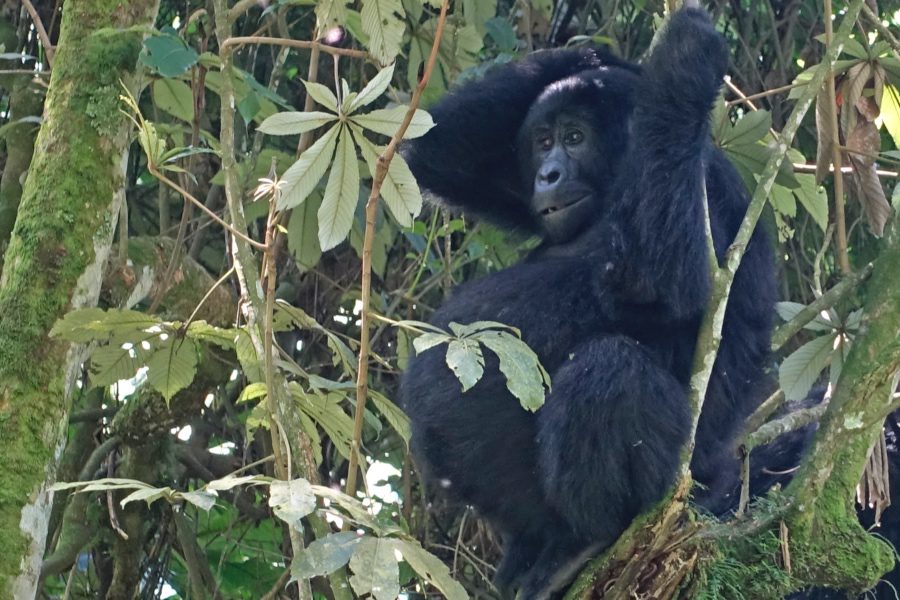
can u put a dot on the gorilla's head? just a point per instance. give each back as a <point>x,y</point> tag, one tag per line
<point>570,147</point>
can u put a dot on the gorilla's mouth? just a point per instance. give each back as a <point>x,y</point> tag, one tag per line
<point>562,206</point>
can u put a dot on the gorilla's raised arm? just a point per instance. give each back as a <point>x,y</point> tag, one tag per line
<point>661,212</point>
<point>469,160</point>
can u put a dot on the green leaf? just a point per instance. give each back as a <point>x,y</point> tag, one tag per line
<point>322,95</point>
<point>95,324</point>
<point>174,97</point>
<point>752,127</point>
<point>300,179</point>
<point>478,12</point>
<point>890,112</point>
<point>112,363</point>
<point>330,13</point>
<point>148,495</point>
<point>394,415</point>
<point>341,194</point>
<point>799,371</point>
<point>327,412</point>
<point>204,332</point>
<point>375,88</point>
<point>291,123</point>
<point>430,340</point>
<point>292,501</point>
<point>525,377</point>
<point>386,121</point>
<point>351,507</point>
<point>202,500</point>
<point>399,189</point>
<point>375,569</point>
<point>254,391</point>
<point>172,367</point>
<point>303,233</point>
<point>249,106</point>
<point>325,555</point>
<point>813,198</point>
<point>246,355</point>
<point>230,481</point>
<point>430,568</point>
<point>466,361</point>
<point>822,322</point>
<point>168,55</point>
<point>382,21</point>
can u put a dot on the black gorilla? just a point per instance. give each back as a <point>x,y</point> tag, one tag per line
<point>606,160</point>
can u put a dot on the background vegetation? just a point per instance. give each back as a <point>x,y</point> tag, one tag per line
<point>216,267</point>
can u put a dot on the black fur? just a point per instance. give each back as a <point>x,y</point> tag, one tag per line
<point>612,312</point>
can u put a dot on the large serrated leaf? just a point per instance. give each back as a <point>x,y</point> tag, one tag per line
<point>466,361</point>
<point>752,127</point>
<point>525,377</point>
<point>382,21</point>
<point>303,176</point>
<point>386,121</point>
<point>174,97</point>
<point>172,367</point>
<point>375,88</point>
<point>292,501</point>
<point>91,324</point>
<point>325,555</point>
<point>375,569</point>
<point>430,568</point>
<point>291,123</point>
<point>330,13</point>
<point>341,194</point>
<point>399,189</point>
<point>112,363</point>
<point>799,371</point>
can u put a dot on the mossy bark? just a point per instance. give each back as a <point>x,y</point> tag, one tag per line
<point>55,260</point>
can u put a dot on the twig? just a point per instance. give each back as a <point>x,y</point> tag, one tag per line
<point>212,215</point>
<point>206,296</point>
<point>384,161</point>
<point>884,31</point>
<point>789,422</point>
<point>259,39</point>
<point>840,221</point>
<point>748,99</point>
<point>42,33</point>
<point>804,168</point>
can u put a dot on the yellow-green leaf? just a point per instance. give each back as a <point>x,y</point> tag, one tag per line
<point>375,88</point>
<point>290,123</point>
<point>890,112</point>
<point>386,121</point>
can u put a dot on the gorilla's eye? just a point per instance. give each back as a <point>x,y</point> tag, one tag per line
<point>572,137</point>
<point>545,142</point>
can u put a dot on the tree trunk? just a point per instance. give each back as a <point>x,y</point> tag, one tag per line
<point>54,263</point>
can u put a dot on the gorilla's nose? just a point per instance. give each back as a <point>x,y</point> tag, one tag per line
<point>548,176</point>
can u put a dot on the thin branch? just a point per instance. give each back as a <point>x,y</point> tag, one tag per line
<point>212,215</point>
<point>884,31</point>
<point>384,161</point>
<point>748,99</point>
<point>789,422</point>
<point>840,221</point>
<point>823,302</point>
<point>258,39</point>
<point>804,168</point>
<point>42,33</point>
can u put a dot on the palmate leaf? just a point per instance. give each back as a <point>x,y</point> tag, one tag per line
<point>291,501</point>
<point>525,377</point>
<point>375,569</point>
<point>325,555</point>
<point>375,88</point>
<point>465,359</point>
<point>303,176</point>
<point>382,21</point>
<point>799,371</point>
<point>322,95</point>
<point>399,189</point>
<point>386,121</point>
<point>341,194</point>
<point>291,123</point>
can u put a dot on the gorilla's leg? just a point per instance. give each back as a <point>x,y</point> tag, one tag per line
<point>609,440</point>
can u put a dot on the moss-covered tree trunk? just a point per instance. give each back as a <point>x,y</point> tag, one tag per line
<point>55,260</point>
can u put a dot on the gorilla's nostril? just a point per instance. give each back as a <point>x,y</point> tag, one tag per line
<point>552,177</point>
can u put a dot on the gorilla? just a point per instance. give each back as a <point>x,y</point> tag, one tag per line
<point>612,164</point>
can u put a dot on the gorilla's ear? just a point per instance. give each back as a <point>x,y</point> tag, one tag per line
<point>469,160</point>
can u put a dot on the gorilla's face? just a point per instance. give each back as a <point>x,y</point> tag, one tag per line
<point>569,148</point>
